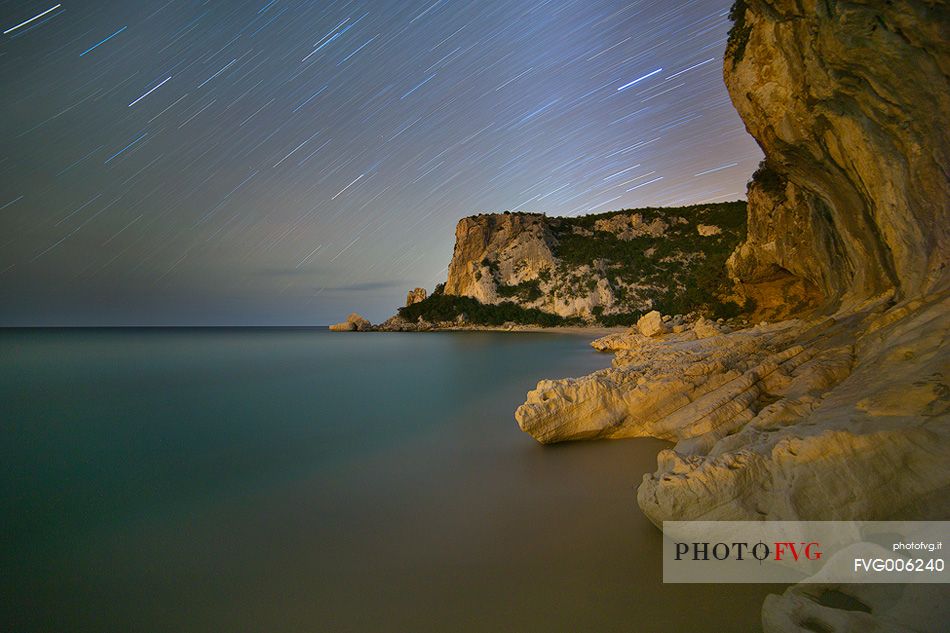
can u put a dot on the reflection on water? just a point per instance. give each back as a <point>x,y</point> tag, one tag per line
<point>299,480</point>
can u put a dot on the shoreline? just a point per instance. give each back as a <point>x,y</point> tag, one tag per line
<point>357,323</point>
<point>595,332</point>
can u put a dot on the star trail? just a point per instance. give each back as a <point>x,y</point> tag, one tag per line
<point>279,162</point>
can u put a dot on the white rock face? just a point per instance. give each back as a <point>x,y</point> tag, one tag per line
<point>519,245</point>
<point>707,230</point>
<point>415,296</point>
<point>651,324</point>
<point>628,227</point>
<point>840,418</point>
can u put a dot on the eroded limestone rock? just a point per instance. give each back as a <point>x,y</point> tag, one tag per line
<point>849,102</point>
<point>651,380</point>
<point>871,608</point>
<point>837,418</point>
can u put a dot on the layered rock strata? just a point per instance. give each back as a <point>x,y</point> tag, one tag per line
<point>838,418</point>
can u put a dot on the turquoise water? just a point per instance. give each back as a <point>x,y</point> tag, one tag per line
<point>302,480</point>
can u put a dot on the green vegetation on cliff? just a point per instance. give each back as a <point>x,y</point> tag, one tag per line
<point>739,33</point>
<point>525,291</point>
<point>687,270</point>
<point>442,308</point>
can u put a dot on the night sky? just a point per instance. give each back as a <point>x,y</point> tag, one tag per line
<point>282,162</point>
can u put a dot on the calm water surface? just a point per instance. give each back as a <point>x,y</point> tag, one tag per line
<point>301,480</point>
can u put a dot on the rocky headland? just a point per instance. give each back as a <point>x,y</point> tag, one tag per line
<point>512,271</point>
<point>840,407</point>
<point>596,268</point>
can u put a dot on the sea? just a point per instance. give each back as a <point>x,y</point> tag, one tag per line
<point>296,479</point>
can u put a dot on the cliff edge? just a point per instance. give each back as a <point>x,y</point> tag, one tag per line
<point>607,268</point>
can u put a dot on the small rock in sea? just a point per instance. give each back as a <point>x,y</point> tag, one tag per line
<point>362,324</point>
<point>353,323</point>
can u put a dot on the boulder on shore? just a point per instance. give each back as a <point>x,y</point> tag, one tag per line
<point>651,324</point>
<point>705,328</point>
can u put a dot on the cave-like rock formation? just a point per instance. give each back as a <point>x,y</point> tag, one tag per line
<point>850,103</point>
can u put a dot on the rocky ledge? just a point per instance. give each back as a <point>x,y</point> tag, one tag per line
<point>792,420</point>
